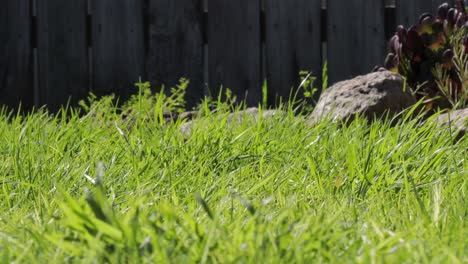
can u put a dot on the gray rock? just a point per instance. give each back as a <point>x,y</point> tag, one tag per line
<point>371,95</point>
<point>186,128</point>
<point>457,120</point>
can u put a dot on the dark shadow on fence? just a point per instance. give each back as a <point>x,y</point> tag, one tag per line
<point>55,50</point>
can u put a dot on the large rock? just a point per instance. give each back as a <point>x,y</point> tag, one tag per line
<point>370,95</point>
<point>457,120</point>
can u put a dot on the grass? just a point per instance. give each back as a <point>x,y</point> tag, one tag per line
<point>120,184</point>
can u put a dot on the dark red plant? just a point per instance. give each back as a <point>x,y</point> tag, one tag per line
<point>414,52</point>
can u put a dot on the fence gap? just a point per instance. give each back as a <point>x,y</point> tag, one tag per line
<point>390,21</point>
<point>323,37</point>
<point>35,60</point>
<point>89,45</point>
<point>263,54</point>
<point>206,77</point>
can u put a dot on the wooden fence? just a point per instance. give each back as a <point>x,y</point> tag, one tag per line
<point>53,50</point>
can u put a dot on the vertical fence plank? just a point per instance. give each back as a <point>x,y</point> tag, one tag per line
<point>118,46</point>
<point>176,45</point>
<point>356,37</point>
<point>62,51</point>
<point>235,48</point>
<point>293,43</point>
<point>16,85</point>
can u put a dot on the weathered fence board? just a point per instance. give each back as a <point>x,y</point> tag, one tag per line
<point>62,51</point>
<point>176,45</point>
<point>356,37</point>
<point>292,43</point>
<point>118,46</point>
<point>235,48</point>
<point>15,54</point>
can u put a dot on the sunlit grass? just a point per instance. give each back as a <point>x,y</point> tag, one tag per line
<point>113,184</point>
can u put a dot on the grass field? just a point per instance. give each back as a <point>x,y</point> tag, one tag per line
<point>110,186</point>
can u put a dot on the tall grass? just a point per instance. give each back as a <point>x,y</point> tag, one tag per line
<point>122,184</point>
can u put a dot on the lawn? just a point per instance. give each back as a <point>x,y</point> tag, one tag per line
<point>103,183</point>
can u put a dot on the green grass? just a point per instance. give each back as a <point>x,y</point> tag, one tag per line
<point>122,185</point>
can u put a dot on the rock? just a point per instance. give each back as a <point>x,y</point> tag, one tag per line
<point>456,120</point>
<point>252,112</point>
<point>371,95</point>
<point>189,115</point>
<point>186,128</point>
<point>172,116</point>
